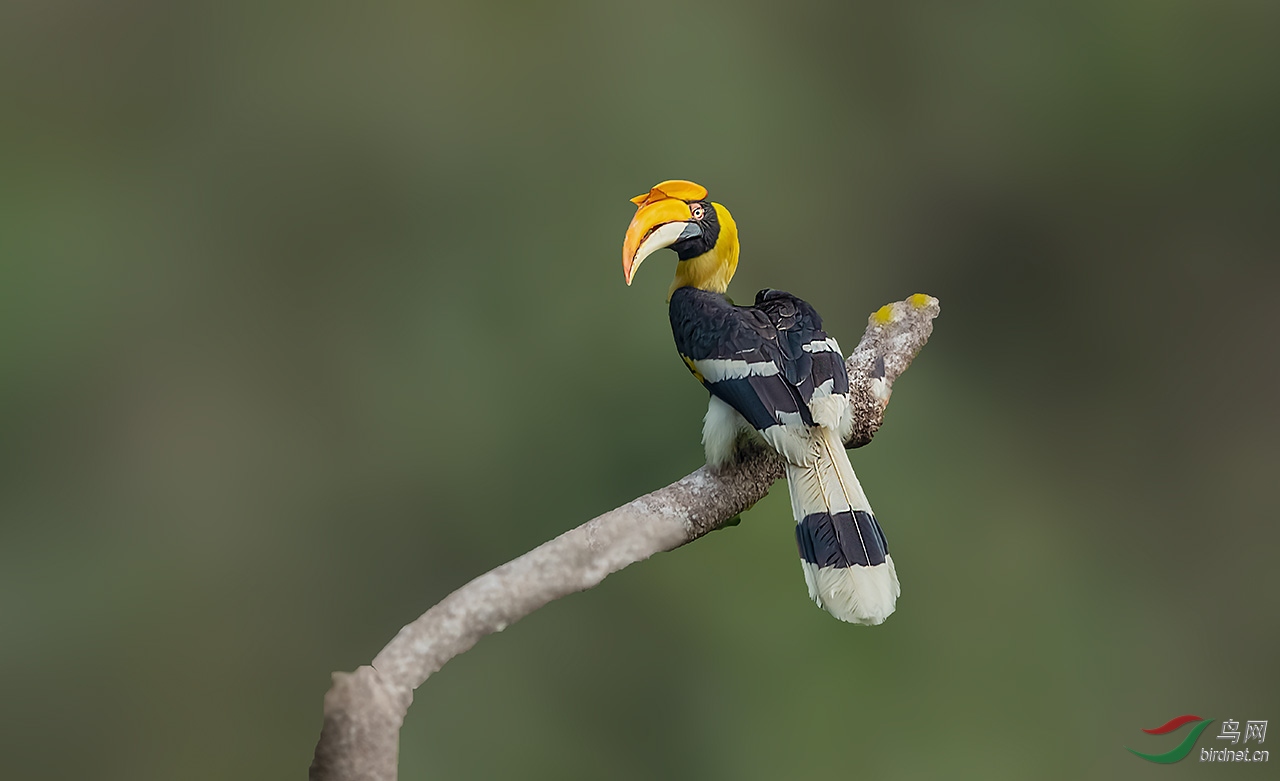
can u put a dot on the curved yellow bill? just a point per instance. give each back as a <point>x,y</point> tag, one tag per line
<point>657,224</point>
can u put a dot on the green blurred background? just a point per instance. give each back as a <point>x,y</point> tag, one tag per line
<point>310,313</point>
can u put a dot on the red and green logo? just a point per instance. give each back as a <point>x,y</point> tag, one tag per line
<point>1184,747</point>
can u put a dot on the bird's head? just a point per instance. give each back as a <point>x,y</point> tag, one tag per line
<point>677,214</point>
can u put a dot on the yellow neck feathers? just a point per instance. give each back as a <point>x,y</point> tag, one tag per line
<point>711,270</point>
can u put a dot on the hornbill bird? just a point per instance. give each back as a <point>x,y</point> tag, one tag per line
<point>773,373</point>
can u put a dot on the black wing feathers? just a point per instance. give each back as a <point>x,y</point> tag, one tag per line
<point>770,338</point>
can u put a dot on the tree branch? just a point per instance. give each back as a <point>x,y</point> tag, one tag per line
<point>364,710</point>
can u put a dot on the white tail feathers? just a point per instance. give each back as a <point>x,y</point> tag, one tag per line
<point>842,549</point>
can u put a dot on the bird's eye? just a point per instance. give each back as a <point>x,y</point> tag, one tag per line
<point>696,210</point>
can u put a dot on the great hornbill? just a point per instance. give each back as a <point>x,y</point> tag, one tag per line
<point>773,373</point>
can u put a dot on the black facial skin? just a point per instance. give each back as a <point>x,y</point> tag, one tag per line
<point>707,231</point>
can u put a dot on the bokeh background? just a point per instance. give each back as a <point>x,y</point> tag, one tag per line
<point>311,312</point>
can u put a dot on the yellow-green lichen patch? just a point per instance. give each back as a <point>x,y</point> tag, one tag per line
<point>884,314</point>
<point>919,300</point>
